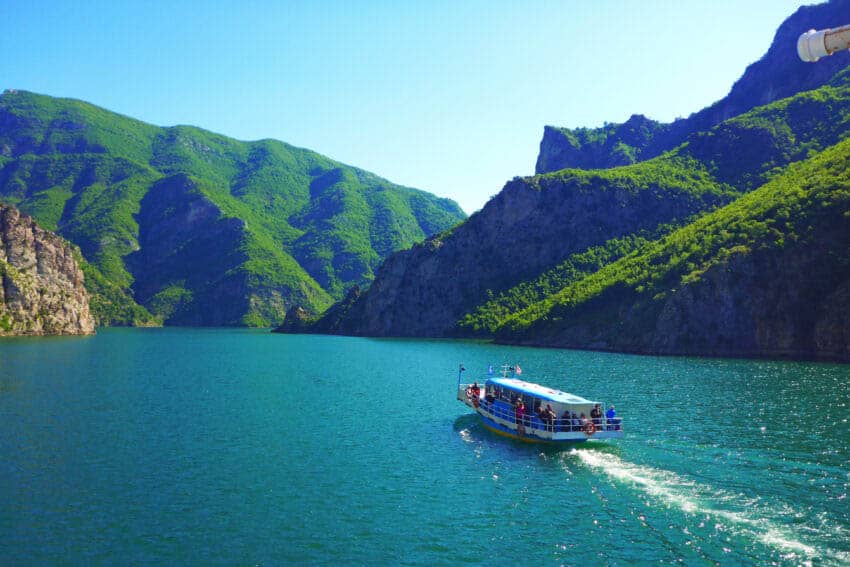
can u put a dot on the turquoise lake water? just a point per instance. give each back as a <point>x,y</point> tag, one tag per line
<point>217,446</point>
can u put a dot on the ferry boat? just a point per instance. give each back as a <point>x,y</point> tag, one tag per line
<point>530,412</point>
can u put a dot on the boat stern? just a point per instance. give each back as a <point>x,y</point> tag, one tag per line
<point>465,395</point>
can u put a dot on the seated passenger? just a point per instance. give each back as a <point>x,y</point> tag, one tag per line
<point>576,422</point>
<point>566,421</point>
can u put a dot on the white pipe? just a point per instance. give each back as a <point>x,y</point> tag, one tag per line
<point>812,45</point>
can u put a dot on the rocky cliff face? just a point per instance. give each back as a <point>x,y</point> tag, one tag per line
<point>793,304</point>
<point>599,148</point>
<point>738,309</point>
<point>42,291</point>
<point>778,74</point>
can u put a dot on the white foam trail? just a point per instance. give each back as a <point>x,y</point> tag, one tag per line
<point>675,490</point>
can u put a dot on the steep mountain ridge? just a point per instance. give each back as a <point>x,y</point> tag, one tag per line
<point>260,225</point>
<point>777,75</point>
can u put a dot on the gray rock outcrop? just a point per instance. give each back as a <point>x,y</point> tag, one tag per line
<point>41,284</point>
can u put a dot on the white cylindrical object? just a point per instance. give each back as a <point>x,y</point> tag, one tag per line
<point>811,46</point>
<point>837,39</point>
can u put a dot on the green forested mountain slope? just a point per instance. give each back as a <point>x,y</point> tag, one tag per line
<point>732,240</point>
<point>542,233</point>
<point>766,275</point>
<point>532,225</point>
<point>742,152</point>
<point>196,227</point>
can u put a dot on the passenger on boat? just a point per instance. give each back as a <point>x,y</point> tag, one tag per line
<point>548,417</point>
<point>613,420</point>
<point>566,421</point>
<point>490,396</point>
<point>596,415</point>
<point>576,422</point>
<point>519,414</point>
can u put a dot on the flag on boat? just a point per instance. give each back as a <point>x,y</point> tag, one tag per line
<point>518,369</point>
<point>490,370</point>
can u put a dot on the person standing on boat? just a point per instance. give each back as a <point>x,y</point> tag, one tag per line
<point>475,394</point>
<point>520,416</point>
<point>548,416</point>
<point>596,415</point>
<point>611,416</point>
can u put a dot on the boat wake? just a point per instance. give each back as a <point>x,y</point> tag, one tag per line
<point>693,498</point>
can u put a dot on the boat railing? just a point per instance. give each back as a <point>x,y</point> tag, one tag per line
<point>503,409</point>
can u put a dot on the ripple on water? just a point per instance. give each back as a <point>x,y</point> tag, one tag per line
<point>238,446</point>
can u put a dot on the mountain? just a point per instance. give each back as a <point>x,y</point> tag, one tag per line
<point>187,227</point>
<point>531,225</point>
<point>540,233</point>
<point>41,283</point>
<point>777,75</point>
<point>585,258</point>
<point>767,275</point>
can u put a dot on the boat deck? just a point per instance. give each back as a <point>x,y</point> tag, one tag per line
<point>499,416</point>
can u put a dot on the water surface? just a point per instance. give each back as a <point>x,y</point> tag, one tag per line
<point>212,446</point>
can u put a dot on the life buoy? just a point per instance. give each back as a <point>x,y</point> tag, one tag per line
<point>589,428</point>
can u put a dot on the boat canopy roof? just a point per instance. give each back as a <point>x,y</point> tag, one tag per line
<point>538,391</point>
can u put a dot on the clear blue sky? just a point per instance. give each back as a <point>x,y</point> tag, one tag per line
<point>446,96</point>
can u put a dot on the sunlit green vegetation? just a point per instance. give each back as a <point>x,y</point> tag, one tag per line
<point>311,227</point>
<point>807,205</point>
<point>486,319</point>
<point>720,165</point>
